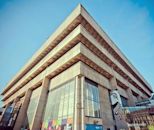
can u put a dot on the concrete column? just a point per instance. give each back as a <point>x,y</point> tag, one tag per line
<point>11,121</point>
<point>106,110</point>
<point>82,103</point>
<point>79,104</point>
<point>131,101</point>
<point>41,105</point>
<point>139,98</point>
<point>16,100</point>
<point>113,83</point>
<point>23,111</point>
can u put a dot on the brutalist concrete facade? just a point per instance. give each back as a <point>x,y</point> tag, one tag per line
<point>78,50</point>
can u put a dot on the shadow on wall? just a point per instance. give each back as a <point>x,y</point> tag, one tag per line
<point>5,128</point>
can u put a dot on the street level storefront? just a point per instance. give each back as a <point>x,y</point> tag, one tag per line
<point>78,80</point>
<point>61,102</point>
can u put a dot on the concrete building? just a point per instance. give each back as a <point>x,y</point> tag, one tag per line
<point>67,83</point>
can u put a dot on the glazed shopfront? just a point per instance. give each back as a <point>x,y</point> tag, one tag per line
<point>60,107</point>
<point>59,110</point>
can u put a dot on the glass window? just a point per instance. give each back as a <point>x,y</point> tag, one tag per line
<point>7,116</point>
<point>124,101</point>
<point>59,108</point>
<point>31,108</point>
<point>92,101</point>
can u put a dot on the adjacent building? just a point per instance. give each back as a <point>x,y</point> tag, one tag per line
<point>68,82</point>
<point>140,118</point>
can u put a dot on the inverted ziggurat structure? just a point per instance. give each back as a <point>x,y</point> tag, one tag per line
<point>67,84</point>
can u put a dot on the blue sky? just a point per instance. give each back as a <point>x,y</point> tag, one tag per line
<point>26,24</point>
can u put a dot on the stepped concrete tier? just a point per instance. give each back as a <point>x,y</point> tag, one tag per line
<point>67,83</point>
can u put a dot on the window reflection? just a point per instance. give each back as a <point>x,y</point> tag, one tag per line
<point>124,101</point>
<point>59,108</point>
<point>92,101</point>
